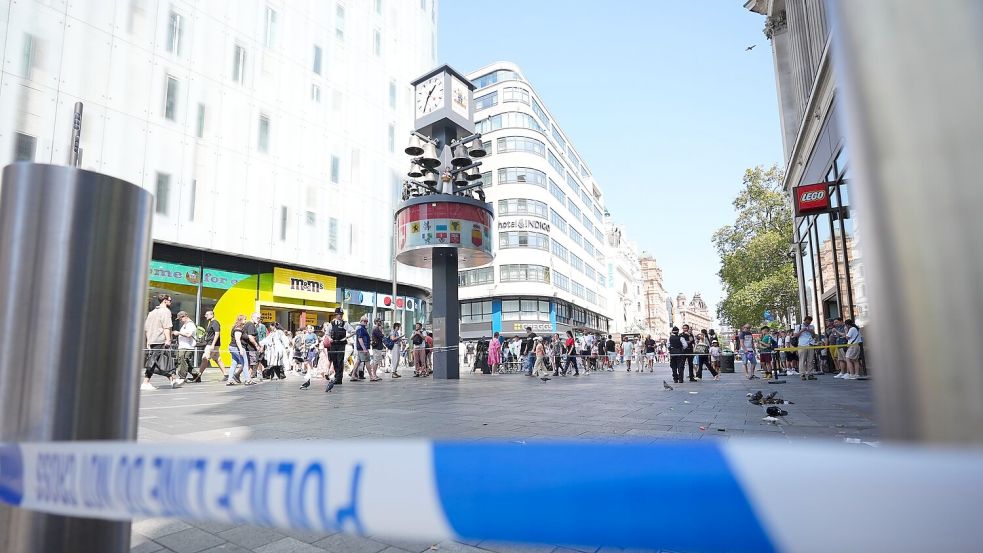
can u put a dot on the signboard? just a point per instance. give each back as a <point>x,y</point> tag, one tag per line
<point>359,297</point>
<point>267,316</point>
<point>524,224</point>
<point>190,275</point>
<point>288,283</point>
<point>385,301</point>
<point>444,225</point>
<point>811,198</point>
<point>537,326</point>
<point>222,280</point>
<point>301,319</point>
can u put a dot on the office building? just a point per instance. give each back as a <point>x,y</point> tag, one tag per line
<point>549,271</point>
<point>270,133</point>
<point>624,283</point>
<point>657,305</point>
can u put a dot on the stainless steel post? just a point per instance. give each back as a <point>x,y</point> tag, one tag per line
<point>911,75</point>
<point>74,256</point>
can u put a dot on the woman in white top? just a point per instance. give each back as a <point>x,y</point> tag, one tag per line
<point>854,339</point>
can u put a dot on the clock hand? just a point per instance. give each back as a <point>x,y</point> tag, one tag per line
<point>427,101</point>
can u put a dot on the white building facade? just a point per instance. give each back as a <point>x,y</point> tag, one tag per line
<point>270,132</point>
<point>549,270</point>
<point>625,286</point>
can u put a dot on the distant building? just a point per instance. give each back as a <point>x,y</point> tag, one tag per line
<point>656,301</point>
<point>693,313</point>
<point>626,303</point>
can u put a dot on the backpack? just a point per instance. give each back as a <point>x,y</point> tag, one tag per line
<point>338,333</point>
<point>387,342</point>
<point>794,342</point>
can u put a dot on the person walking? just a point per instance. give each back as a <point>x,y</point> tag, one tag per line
<point>855,343</point>
<point>213,341</point>
<point>274,352</point>
<point>240,357</point>
<point>650,352</point>
<point>611,352</point>
<point>185,358</point>
<point>396,350</point>
<point>715,359</point>
<point>527,352</point>
<point>702,350</point>
<point>556,350</point>
<point>766,348</point>
<point>157,332</point>
<point>419,351</point>
<point>540,352</point>
<point>676,346</point>
<point>378,351</point>
<point>688,344</point>
<point>570,349</point>
<point>807,356</point>
<point>362,355</point>
<point>252,349</point>
<point>627,349</point>
<point>339,331</point>
<point>745,340</point>
<point>494,353</point>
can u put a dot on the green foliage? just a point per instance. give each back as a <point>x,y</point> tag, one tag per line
<point>754,264</point>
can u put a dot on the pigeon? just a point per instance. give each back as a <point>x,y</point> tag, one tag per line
<point>749,48</point>
<point>776,412</point>
<point>772,395</point>
<point>330,385</point>
<point>757,396</point>
<point>306,384</point>
<point>666,385</point>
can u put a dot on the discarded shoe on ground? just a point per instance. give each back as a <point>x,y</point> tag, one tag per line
<point>776,412</point>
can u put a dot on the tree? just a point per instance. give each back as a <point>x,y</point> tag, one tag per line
<point>755,268</point>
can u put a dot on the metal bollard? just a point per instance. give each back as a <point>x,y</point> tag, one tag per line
<point>74,256</point>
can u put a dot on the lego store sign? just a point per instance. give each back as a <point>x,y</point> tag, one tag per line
<point>811,199</point>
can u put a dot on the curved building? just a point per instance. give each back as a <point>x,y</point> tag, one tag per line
<point>547,272</point>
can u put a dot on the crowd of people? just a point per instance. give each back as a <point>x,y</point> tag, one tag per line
<point>362,351</point>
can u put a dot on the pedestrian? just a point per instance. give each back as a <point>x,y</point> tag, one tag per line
<point>395,349</point>
<point>251,349</point>
<point>274,352</point>
<point>213,341</point>
<point>570,349</point>
<point>766,348</point>
<point>339,332</point>
<point>805,334</point>
<point>676,346</point>
<point>527,351</point>
<point>238,352</point>
<point>428,339</point>
<point>419,351</point>
<point>261,332</point>
<point>650,352</point>
<point>611,351</point>
<point>780,343</point>
<point>157,332</point>
<point>494,353</point>
<point>688,344</point>
<point>853,351</point>
<point>838,337</point>
<point>362,353</point>
<point>745,339</point>
<point>791,355</point>
<point>185,358</point>
<point>715,358</point>
<point>557,350</point>
<point>540,351</point>
<point>627,348</point>
<point>702,349</point>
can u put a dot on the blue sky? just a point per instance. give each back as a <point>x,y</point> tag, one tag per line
<point>660,99</point>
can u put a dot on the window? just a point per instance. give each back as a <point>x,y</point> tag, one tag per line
<point>311,218</point>
<point>239,64</point>
<point>576,237</point>
<point>523,239</point>
<point>475,277</point>
<point>573,184</point>
<point>335,169</point>
<point>562,282</point>
<point>332,234</point>
<point>575,211</point>
<point>540,113</point>
<point>522,206</point>
<point>598,234</point>
<point>526,310</point>
<point>29,58</point>
<point>509,119</point>
<point>316,93</point>
<point>578,289</point>
<point>560,251</point>
<point>487,146</point>
<point>555,162</point>
<point>377,42</point>
<point>200,125</point>
<point>378,7</point>
<point>392,94</point>
<point>486,101</point>
<point>559,138</point>
<point>162,193</point>
<point>392,138</point>
<point>192,200</point>
<point>557,192</point>
<point>264,134</point>
<point>317,59</point>
<point>574,160</point>
<point>269,35</point>
<point>583,171</point>
<point>283,222</point>
<point>562,307</point>
<point>590,272</point>
<point>515,94</point>
<point>589,226</point>
<point>174,33</point>
<point>339,22</point>
<point>524,273</point>
<point>589,248</point>
<point>576,262</point>
<point>521,175</point>
<point>476,311</point>
<point>170,99</point>
<point>423,5</point>
<point>486,178</point>
<point>560,222</point>
<point>494,77</point>
<point>25,147</point>
<point>598,213</point>
<point>591,296</point>
<point>586,198</point>
<point>521,144</point>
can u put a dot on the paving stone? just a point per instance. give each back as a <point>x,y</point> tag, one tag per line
<point>289,545</point>
<point>143,544</point>
<point>156,527</point>
<point>347,543</point>
<point>191,540</point>
<point>251,536</point>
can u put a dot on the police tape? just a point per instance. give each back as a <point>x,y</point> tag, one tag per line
<point>830,346</point>
<point>759,497</point>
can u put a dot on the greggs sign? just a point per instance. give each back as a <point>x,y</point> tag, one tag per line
<point>811,198</point>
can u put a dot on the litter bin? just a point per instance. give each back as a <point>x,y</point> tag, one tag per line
<point>727,362</point>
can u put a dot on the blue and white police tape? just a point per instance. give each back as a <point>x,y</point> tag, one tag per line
<point>683,496</point>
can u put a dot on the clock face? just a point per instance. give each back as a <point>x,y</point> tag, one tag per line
<point>460,97</point>
<point>430,95</point>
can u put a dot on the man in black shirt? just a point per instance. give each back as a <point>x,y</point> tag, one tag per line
<point>675,355</point>
<point>688,351</point>
<point>611,350</point>
<point>649,353</point>
<point>340,331</point>
<point>213,341</point>
<point>251,343</point>
<point>527,351</point>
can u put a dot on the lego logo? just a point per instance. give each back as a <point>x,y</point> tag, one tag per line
<point>812,196</point>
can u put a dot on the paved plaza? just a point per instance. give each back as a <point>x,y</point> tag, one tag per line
<point>602,407</point>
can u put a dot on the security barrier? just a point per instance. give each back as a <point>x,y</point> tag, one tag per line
<point>679,496</point>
